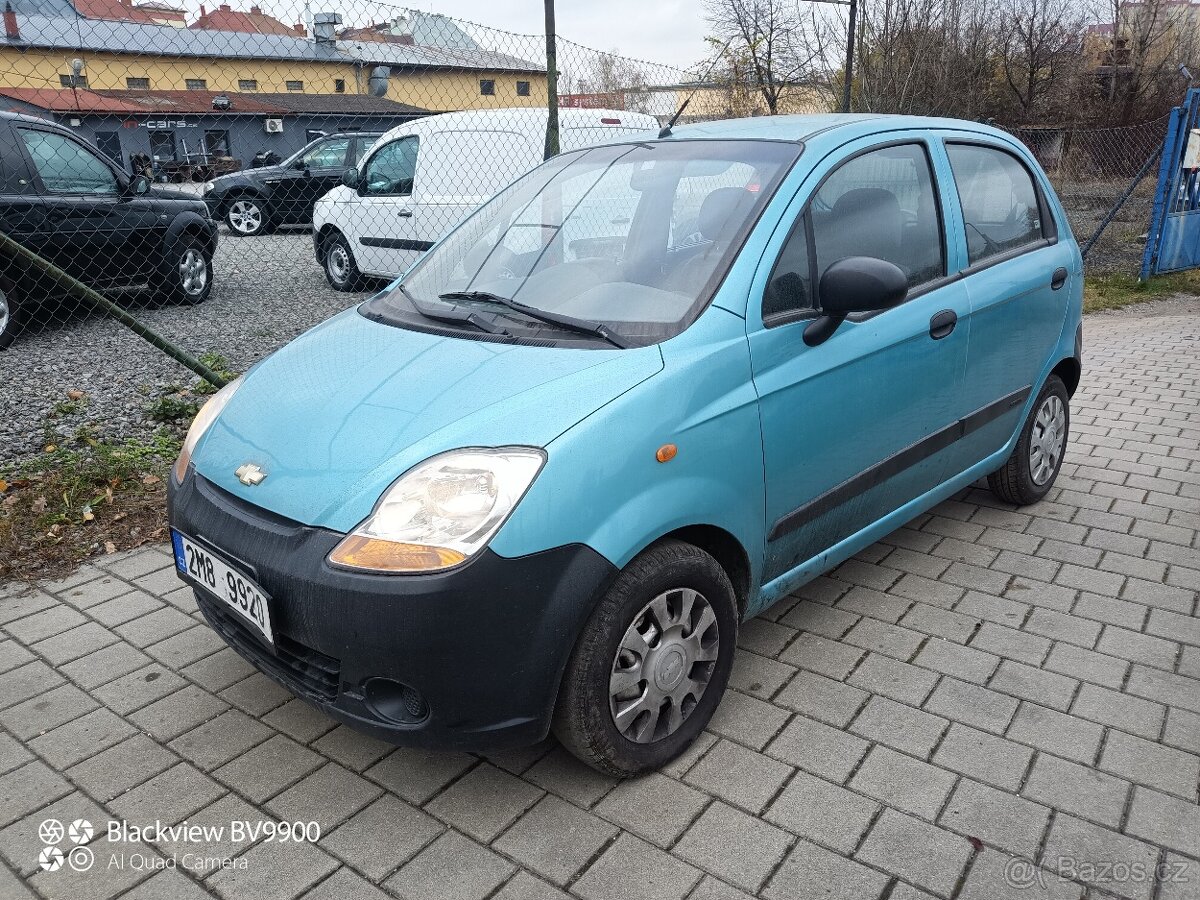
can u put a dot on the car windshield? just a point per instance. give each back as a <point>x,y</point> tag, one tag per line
<point>632,237</point>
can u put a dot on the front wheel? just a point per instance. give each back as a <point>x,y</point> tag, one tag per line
<point>652,662</point>
<point>1029,473</point>
<point>187,277</point>
<point>338,261</point>
<point>10,322</point>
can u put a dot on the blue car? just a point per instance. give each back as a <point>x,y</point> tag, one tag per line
<point>642,394</point>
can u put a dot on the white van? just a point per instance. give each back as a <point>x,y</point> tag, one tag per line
<point>422,178</point>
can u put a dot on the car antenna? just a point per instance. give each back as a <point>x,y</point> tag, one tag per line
<point>666,129</point>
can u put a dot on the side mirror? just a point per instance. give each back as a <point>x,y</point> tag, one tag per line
<point>351,178</point>
<point>138,186</point>
<point>855,284</point>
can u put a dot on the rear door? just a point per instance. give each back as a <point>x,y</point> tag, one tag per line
<point>1019,279</point>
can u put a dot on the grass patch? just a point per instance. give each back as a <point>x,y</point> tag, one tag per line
<point>1119,290</point>
<point>80,497</point>
<point>179,403</point>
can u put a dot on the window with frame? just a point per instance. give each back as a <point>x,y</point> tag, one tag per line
<point>329,155</point>
<point>196,84</point>
<point>339,85</point>
<point>487,87</point>
<point>76,81</point>
<point>522,88</point>
<point>294,85</point>
<point>66,167</point>
<point>247,84</point>
<point>880,204</point>
<point>1000,206</point>
<point>391,171</point>
<point>137,84</point>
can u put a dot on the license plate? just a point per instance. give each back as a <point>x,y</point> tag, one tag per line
<point>200,565</point>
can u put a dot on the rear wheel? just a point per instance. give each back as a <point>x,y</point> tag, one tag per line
<point>338,261</point>
<point>10,322</point>
<point>652,662</point>
<point>187,276</point>
<point>246,216</point>
<point>1029,473</point>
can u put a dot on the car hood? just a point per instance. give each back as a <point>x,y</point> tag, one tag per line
<point>337,415</point>
<point>232,179</point>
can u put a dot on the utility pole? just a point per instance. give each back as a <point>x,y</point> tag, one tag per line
<point>551,84</point>
<point>848,81</point>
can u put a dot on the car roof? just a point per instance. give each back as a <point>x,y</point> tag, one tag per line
<point>840,127</point>
<point>8,115</point>
<point>520,119</point>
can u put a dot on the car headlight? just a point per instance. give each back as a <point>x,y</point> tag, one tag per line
<point>207,415</point>
<point>441,512</point>
<point>208,186</point>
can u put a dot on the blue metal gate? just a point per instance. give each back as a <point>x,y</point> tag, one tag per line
<point>1173,241</point>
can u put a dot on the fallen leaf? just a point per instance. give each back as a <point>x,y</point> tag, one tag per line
<point>3,485</point>
<point>38,506</point>
<point>88,515</point>
<point>50,448</point>
<point>150,480</point>
<point>9,502</point>
<point>110,547</point>
<point>75,395</point>
<point>108,495</point>
<point>119,516</point>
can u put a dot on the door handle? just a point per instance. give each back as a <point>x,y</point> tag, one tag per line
<point>942,324</point>
<point>404,213</point>
<point>1058,279</point>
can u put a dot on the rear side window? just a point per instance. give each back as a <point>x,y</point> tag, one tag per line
<point>880,204</point>
<point>999,201</point>
<point>66,167</point>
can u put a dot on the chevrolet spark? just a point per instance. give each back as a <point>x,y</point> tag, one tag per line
<point>645,392</point>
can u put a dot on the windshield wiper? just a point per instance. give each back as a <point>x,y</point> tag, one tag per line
<point>582,326</point>
<point>454,315</point>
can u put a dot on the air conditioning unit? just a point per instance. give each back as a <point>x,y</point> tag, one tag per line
<point>274,126</point>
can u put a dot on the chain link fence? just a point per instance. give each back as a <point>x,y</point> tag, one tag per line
<point>229,178</point>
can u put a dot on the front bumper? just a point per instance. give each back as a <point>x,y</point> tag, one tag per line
<point>484,646</point>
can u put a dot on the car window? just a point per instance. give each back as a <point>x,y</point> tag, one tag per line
<point>999,202</point>
<point>391,170</point>
<point>331,154</point>
<point>362,146</point>
<point>66,167</point>
<point>789,289</point>
<point>880,204</point>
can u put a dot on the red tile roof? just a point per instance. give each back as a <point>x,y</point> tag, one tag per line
<point>120,10</point>
<point>225,18</point>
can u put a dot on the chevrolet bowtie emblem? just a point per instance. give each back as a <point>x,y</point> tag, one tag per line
<point>250,474</point>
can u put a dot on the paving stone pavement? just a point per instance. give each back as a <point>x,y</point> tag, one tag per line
<point>990,703</point>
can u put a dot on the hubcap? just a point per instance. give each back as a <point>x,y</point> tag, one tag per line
<point>663,665</point>
<point>193,272</point>
<point>245,216</point>
<point>338,262</point>
<point>1047,439</point>
<point>5,315</point>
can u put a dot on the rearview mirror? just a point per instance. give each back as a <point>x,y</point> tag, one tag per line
<point>855,284</point>
<point>350,178</point>
<point>138,186</point>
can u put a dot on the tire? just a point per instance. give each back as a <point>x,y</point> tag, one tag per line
<point>1029,473</point>
<point>10,315</point>
<point>246,216</point>
<point>649,597</point>
<point>187,277</point>
<point>337,259</point>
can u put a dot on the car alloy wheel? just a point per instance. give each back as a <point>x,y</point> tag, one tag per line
<point>193,272</point>
<point>663,665</point>
<point>5,312</point>
<point>1046,439</point>
<point>245,217</point>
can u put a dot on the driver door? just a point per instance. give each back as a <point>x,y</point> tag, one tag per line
<point>384,219</point>
<point>319,171</point>
<point>857,426</point>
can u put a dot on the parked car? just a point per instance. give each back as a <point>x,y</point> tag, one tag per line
<point>72,205</point>
<point>255,200</point>
<point>540,480</point>
<point>423,177</point>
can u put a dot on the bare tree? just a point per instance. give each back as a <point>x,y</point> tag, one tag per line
<point>1040,43</point>
<point>1151,38</point>
<point>769,48</point>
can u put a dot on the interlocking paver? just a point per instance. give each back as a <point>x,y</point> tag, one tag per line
<point>983,685</point>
